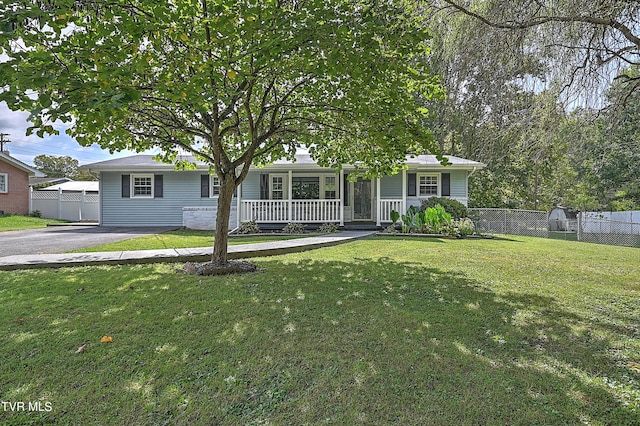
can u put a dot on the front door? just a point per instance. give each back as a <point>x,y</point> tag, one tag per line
<point>362,200</point>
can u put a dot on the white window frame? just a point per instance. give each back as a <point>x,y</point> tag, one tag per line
<point>214,184</point>
<point>285,194</point>
<point>324,186</point>
<point>322,178</point>
<point>4,188</point>
<point>133,185</point>
<point>419,185</point>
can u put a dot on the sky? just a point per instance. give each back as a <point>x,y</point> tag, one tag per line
<point>25,148</point>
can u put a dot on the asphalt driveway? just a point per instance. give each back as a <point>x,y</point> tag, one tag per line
<point>61,239</point>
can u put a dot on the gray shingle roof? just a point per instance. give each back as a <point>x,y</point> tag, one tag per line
<point>303,159</point>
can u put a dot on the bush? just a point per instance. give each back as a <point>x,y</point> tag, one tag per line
<point>455,208</point>
<point>250,227</point>
<point>465,226</point>
<point>294,228</point>
<point>328,228</point>
<point>36,213</point>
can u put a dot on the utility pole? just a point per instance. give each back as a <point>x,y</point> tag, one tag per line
<point>3,141</point>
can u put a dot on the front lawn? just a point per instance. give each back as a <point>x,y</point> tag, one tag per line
<point>180,238</point>
<point>377,331</point>
<point>15,222</point>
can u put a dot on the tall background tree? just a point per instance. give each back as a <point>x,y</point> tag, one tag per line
<point>235,83</point>
<point>537,90</point>
<point>61,166</point>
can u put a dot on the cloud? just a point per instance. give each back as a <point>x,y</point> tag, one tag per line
<point>25,148</point>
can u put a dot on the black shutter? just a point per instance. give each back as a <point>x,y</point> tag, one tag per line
<point>158,186</point>
<point>264,186</point>
<point>411,184</point>
<point>346,190</point>
<point>204,186</point>
<point>445,190</point>
<point>126,186</point>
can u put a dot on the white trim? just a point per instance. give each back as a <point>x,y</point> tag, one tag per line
<point>352,201</point>
<point>5,184</point>
<point>284,189</point>
<point>133,185</point>
<point>378,202</point>
<point>212,185</point>
<point>438,177</point>
<point>341,192</point>
<point>404,191</point>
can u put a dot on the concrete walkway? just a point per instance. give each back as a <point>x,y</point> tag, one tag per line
<point>202,254</point>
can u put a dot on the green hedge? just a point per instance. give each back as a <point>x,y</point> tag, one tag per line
<point>455,208</point>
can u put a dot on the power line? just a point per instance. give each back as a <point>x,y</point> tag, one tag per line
<point>3,141</point>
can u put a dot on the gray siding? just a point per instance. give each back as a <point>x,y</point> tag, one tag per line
<point>391,186</point>
<point>251,185</point>
<point>180,189</point>
<point>459,184</point>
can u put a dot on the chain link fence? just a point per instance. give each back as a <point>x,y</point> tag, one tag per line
<point>596,228</point>
<point>589,227</point>
<point>530,223</point>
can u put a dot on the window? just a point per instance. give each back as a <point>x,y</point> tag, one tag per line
<point>330,188</point>
<point>305,188</point>
<point>215,186</point>
<point>277,187</point>
<point>4,182</point>
<point>427,185</point>
<point>142,186</point>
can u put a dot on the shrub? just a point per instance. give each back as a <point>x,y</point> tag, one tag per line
<point>465,226</point>
<point>36,213</point>
<point>391,229</point>
<point>294,228</point>
<point>328,228</point>
<point>433,220</point>
<point>250,227</point>
<point>455,208</point>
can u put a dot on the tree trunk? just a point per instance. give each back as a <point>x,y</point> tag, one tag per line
<point>220,244</point>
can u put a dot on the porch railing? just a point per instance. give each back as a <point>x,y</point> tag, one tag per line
<point>284,211</point>
<point>387,205</point>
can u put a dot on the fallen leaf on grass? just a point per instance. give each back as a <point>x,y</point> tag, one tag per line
<point>82,349</point>
<point>106,339</point>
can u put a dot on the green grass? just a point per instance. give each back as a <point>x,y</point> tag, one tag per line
<point>380,331</point>
<point>181,238</point>
<point>14,222</point>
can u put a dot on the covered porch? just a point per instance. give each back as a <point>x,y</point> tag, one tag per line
<point>320,198</point>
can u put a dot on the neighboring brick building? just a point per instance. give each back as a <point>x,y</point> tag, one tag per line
<point>14,184</point>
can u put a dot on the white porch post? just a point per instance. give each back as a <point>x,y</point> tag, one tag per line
<point>239,201</point>
<point>378,202</point>
<point>290,191</point>
<point>404,191</point>
<point>341,192</point>
<point>30,199</point>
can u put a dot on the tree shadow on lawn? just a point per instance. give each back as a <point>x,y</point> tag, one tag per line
<point>449,342</point>
<point>372,341</point>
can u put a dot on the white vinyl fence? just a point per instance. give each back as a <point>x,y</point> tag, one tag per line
<point>71,206</point>
<point>614,228</point>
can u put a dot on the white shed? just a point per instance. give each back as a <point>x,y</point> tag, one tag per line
<point>563,219</point>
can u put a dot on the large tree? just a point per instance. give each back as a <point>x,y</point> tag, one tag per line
<point>582,45</point>
<point>235,83</point>
<point>61,166</point>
